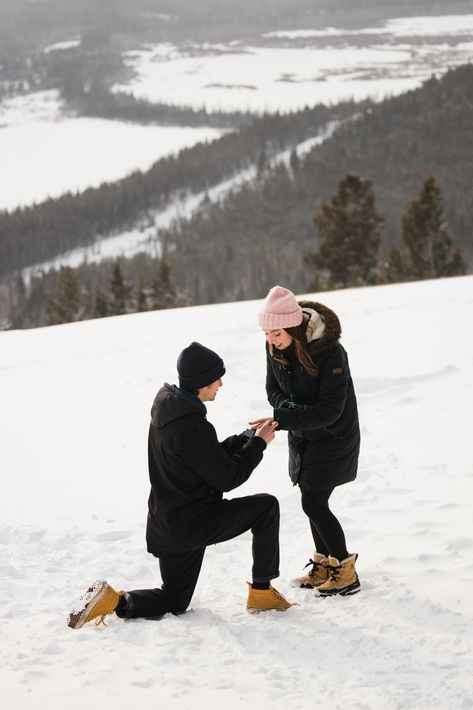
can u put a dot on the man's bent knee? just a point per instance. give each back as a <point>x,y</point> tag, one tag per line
<point>269,504</point>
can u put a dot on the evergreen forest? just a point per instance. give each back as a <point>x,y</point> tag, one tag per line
<point>380,158</point>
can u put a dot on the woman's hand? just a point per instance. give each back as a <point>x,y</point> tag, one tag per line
<point>266,430</point>
<point>259,422</point>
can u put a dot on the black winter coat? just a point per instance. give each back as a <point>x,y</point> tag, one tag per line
<point>189,470</point>
<point>323,429</point>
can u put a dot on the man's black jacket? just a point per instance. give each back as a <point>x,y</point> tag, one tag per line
<point>189,470</point>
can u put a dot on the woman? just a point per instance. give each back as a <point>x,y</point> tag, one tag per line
<point>309,385</point>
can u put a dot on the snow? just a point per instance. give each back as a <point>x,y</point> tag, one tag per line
<point>268,79</point>
<point>62,46</point>
<point>392,59</point>
<point>48,153</point>
<point>73,425</point>
<point>424,26</point>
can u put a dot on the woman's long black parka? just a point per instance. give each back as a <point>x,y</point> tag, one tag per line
<point>322,416</point>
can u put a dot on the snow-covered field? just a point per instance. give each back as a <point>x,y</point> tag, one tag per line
<point>294,69</point>
<point>73,424</point>
<point>45,153</point>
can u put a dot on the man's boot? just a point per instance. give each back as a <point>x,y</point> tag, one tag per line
<point>342,577</point>
<point>266,599</point>
<point>99,600</point>
<point>316,576</point>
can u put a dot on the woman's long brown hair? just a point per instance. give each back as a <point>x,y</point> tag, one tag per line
<point>301,348</point>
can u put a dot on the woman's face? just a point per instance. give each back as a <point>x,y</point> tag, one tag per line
<point>279,339</point>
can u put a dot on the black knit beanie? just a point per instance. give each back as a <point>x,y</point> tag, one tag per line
<point>198,367</point>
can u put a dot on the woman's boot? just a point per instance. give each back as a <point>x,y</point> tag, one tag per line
<point>342,577</point>
<point>316,576</point>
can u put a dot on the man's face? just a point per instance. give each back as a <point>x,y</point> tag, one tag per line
<point>208,394</point>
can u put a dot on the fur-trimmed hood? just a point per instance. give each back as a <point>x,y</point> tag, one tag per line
<point>323,329</point>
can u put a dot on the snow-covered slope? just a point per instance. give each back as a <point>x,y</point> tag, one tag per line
<point>73,423</point>
<point>147,239</point>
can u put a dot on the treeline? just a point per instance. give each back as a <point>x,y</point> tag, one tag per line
<point>69,295</point>
<point>350,229</point>
<point>35,234</point>
<point>261,233</point>
<point>101,103</point>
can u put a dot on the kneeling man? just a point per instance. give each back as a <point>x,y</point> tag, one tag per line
<point>189,471</point>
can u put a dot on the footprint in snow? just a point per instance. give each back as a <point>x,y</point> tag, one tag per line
<point>143,683</point>
<point>113,536</point>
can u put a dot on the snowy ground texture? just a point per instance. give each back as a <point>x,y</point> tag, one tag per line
<point>73,426</point>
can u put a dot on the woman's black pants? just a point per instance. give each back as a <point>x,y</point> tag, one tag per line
<point>327,532</point>
<point>180,570</point>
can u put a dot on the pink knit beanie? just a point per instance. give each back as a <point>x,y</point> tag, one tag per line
<point>280,310</point>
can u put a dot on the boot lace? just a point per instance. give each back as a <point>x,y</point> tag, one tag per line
<point>278,595</point>
<point>334,571</point>
<point>315,567</point>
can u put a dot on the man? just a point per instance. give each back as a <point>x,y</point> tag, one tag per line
<point>189,471</point>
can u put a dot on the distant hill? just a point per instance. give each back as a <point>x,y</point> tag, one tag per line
<point>38,233</point>
<point>26,24</point>
<point>261,233</point>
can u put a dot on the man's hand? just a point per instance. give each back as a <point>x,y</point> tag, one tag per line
<point>266,430</point>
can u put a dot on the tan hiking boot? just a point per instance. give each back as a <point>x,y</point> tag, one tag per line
<point>266,599</point>
<point>316,576</point>
<point>99,600</point>
<point>342,577</point>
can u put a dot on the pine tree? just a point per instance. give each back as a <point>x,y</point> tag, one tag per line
<point>142,295</point>
<point>68,302</point>
<point>101,307</point>
<point>120,291</point>
<point>163,290</point>
<point>350,229</point>
<point>17,300</point>
<point>393,269</point>
<point>262,162</point>
<point>294,161</point>
<point>457,265</point>
<point>426,236</point>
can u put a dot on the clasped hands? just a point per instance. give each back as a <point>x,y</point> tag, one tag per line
<point>265,428</point>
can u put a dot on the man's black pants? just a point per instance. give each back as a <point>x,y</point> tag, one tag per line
<point>180,571</point>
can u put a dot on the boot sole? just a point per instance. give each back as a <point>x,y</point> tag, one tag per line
<point>350,589</point>
<point>297,585</point>
<point>77,619</point>
<point>251,610</point>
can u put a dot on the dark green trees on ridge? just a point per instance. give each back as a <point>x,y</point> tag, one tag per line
<point>350,228</point>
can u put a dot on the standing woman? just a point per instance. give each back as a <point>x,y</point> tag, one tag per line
<point>309,385</point>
